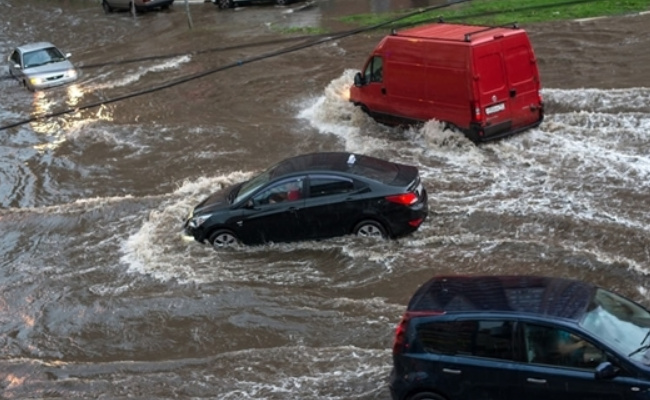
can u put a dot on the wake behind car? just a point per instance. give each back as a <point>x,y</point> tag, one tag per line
<point>314,196</point>
<point>41,66</point>
<point>520,337</point>
<point>140,5</point>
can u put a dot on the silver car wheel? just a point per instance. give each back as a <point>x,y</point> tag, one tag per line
<point>225,4</point>
<point>223,238</point>
<point>107,8</point>
<point>370,229</point>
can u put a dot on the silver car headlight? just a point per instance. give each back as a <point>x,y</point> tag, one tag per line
<point>36,80</point>
<point>198,221</point>
<point>72,73</point>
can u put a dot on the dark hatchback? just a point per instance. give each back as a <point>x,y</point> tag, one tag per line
<point>314,196</point>
<point>520,337</point>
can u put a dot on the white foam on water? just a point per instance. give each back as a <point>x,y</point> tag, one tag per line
<point>333,114</point>
<point>564,168</point>
<point>134,75</point>
<point>154,248</point>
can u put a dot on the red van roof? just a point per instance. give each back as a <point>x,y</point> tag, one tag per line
<point>457,32</point>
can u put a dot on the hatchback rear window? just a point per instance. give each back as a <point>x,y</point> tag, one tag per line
<point>490,339</point>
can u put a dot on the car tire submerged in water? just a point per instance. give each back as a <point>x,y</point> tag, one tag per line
<point>225,4</point>
<point>370,228</point>
<point>223,238</point>
<point>107,8</point>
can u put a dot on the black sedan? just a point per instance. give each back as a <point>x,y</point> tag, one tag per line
<point>314,196</point>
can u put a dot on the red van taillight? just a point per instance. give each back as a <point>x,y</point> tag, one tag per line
<point>405,199</point>
<point>477,115</point>
<point>400,344</point>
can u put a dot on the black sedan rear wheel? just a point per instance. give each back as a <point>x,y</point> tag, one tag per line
<point>223,238</point>
<point>282,2</point>
<point>370,228</point>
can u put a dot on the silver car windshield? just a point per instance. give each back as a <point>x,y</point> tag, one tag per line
<point>620,323</point>
<point>252,185</point>
<point>42,57</point>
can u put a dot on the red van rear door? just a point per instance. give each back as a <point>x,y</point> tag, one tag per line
<point>493,97</point>
<point>523,80</point>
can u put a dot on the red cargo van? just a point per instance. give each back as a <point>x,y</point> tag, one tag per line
<point>481,80</point>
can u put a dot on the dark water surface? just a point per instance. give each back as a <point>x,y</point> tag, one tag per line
<point>102,297</point>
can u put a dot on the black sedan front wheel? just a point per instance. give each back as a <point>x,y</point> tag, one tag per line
<point>223,238</point>
<point>370,228</point>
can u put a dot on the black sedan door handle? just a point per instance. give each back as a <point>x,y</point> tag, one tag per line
<point>535,380</point>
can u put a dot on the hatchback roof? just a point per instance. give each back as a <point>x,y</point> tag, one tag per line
<point>357,164</point>
<point>557,297</point>
<point>35,46</point>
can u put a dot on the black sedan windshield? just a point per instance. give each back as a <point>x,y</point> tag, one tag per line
<point>251,186</point>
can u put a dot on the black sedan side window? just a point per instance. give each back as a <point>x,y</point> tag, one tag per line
<point>284,191</point>
<point>325,186</point>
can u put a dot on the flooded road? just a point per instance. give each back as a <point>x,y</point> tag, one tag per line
<point>102,297</point>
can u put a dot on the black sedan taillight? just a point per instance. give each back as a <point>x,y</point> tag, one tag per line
<point>405,199</point>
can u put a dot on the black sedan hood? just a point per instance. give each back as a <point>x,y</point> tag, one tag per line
<point>217,200</point>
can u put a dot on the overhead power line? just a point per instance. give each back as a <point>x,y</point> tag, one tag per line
<point>320,39</point>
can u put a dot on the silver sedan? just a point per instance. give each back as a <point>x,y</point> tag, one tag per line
<point>41,65</point>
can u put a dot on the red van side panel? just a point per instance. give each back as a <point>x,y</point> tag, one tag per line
<point>425,80</point>
<point>484,80</point>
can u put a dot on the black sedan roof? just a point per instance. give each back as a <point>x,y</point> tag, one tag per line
<point>357,164</point>
<point>548,296</point>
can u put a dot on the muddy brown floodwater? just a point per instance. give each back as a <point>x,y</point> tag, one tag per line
<point>102,297</point>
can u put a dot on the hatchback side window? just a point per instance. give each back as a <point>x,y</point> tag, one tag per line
<point>320,186</point>
<point>489,339</point>
<point>549,345</point>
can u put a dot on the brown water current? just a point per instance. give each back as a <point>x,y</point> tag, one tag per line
<point>101,297</point>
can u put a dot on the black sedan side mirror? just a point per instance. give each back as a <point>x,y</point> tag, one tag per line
<point>605,370</point>
<point>358,80</point>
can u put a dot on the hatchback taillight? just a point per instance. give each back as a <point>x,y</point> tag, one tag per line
<point>405,199</point>
<point>400,344</point>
